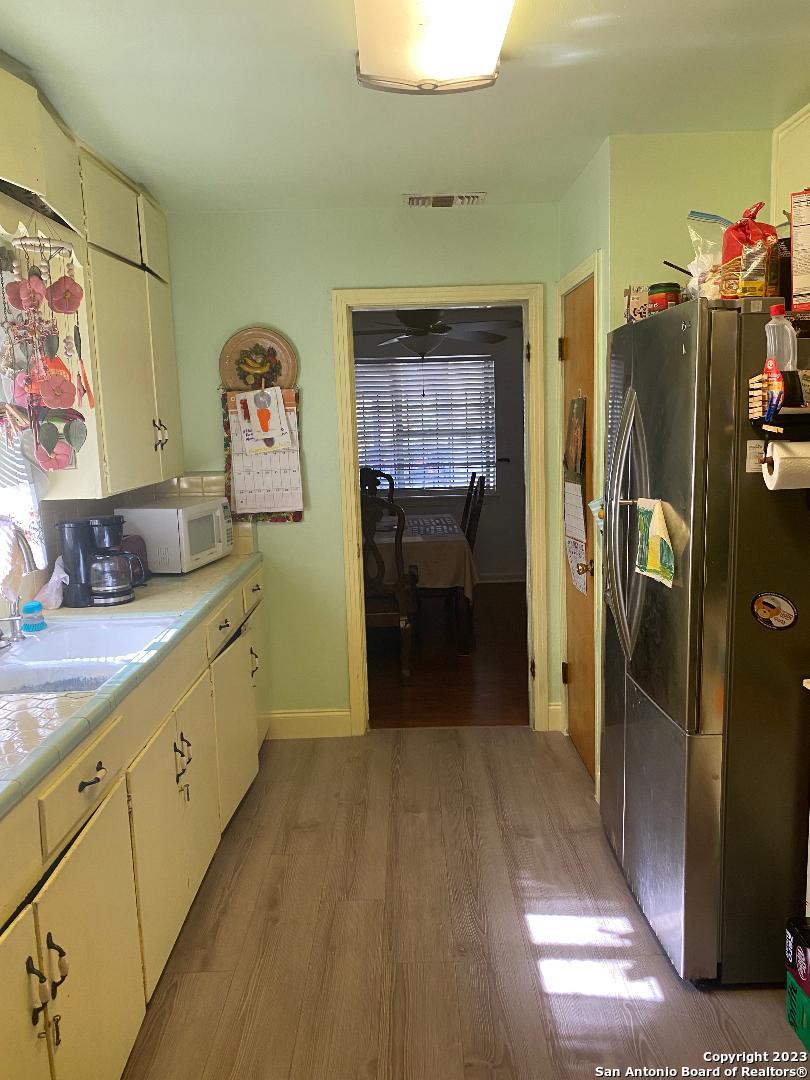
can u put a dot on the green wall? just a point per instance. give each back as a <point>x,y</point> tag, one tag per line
<point>655,180</point>
<point>279,268</point>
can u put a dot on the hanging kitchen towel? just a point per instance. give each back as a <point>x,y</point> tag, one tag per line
<point>654,557</point>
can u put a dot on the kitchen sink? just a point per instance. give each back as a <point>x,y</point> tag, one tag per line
<point>78,654</point>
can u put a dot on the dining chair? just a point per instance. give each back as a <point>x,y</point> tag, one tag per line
<point>370,481</point>
<point>465,515</point>
<point>475,513</point>
<point>389,602</point>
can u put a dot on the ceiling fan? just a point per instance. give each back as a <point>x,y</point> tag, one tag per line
<point>417,326</point>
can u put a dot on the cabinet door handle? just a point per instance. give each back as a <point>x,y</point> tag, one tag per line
<point>183,762</point>
<point>255,656</point>
<point>185,742</point>
<point>224,625</point>
<point>165,430</point>
<point>42,992</point>
<point>156,435</point>
<point>57,1031</point>
<point>101,772</point>
<point>62,963</point>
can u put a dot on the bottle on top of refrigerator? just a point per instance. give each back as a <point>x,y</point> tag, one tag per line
<point>781,339</point>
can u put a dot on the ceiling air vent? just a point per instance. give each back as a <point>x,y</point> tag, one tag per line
<point>467,198</point>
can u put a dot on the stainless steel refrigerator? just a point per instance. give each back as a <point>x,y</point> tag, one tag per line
<point>705,747</point>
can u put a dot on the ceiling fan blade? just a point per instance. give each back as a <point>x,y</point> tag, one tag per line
<point>379,333</point>
<point>485,336</point>
<point>492,324</point>
<point>394,340</point>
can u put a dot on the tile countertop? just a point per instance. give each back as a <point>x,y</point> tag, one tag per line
<point>37,731</point>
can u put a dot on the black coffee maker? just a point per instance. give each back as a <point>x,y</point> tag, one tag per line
<point>113,571</point>
<point>100,572</point>
<point>77,551</point>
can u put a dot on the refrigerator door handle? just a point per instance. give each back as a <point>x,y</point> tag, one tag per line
<point>613,567</point>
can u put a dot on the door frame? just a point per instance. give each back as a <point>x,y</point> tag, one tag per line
<point>589,267</point>
<point>530,298</point>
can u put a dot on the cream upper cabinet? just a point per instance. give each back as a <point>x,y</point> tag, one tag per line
<point>22,995</point>
<point>87,926</point>
<point>124,365</point>
<point>235,715</point>
<point>154,237</point>
<point>63,184</point>
<point>111,210</point>
<point>158,848</point>
<point>21,160</point>
<point>164,368</point>
<point>197,740</point>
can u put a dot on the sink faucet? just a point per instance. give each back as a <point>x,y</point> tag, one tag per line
<point>20,541</point>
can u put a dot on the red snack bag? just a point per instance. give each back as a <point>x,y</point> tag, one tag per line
<point>750,258</point>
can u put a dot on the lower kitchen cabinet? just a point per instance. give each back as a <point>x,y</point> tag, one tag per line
<point>236,721</point>
<point>22,993</point>
<point>153,783</point>
<point>195,730</point>
<point>87,925</point>
<point>174,804</point>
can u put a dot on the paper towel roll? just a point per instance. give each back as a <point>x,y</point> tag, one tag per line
<point>790,468</point>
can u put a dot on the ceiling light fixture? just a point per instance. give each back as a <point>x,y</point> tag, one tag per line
<point>429,46</point>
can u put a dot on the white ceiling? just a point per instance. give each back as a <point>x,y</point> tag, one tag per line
<point>250,104</point>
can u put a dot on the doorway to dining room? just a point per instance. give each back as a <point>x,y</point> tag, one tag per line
<point>440,436</point>
<point>447,596</point>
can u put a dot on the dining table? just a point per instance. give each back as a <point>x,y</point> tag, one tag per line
<point>436,546</point>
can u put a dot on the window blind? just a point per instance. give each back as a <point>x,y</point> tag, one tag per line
<point>428,423</point>
<point>18,497</point>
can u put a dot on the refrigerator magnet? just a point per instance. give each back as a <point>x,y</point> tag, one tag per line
<point>774,611</point>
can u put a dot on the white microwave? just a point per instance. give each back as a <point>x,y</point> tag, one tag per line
<point>181,533</point>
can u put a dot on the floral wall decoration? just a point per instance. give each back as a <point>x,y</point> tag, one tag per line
<point>43,380</point>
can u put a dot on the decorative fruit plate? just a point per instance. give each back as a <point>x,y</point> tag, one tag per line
<point>257,357</point>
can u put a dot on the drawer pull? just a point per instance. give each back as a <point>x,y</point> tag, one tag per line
<point>256,588</point>
<point>101,772</point>
<point>255,656</point>
<point>43,994</point>
<point>224,625</point>
<point>62,963</point>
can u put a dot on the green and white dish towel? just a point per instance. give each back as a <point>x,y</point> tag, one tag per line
<point>654,557</point>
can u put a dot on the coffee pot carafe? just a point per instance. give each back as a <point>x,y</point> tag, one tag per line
<point>113,572</point>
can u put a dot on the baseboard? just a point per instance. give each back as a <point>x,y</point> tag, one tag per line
<point>556,716</point>
<point>307,723</point>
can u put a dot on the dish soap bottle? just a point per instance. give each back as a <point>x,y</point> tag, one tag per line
<point>781,339</point>
<point>32,618</point>
<point>783,349</point>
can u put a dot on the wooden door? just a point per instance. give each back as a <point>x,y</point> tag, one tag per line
<point>164,368</point>
<point>235,716</point>
<point>578,379</point>
<point>159,848</point>
<point>88,908</point>
<point>24,1046</point>
<point>124,367</point>
<point>195,733</point>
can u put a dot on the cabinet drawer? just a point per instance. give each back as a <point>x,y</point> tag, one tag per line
<point>81,787</point>
<point>111,211</point>
<point>222,626</point>
<point>252,590</point>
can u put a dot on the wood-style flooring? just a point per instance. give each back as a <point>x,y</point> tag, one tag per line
<point>427,905</point>
<point>487,686</point>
